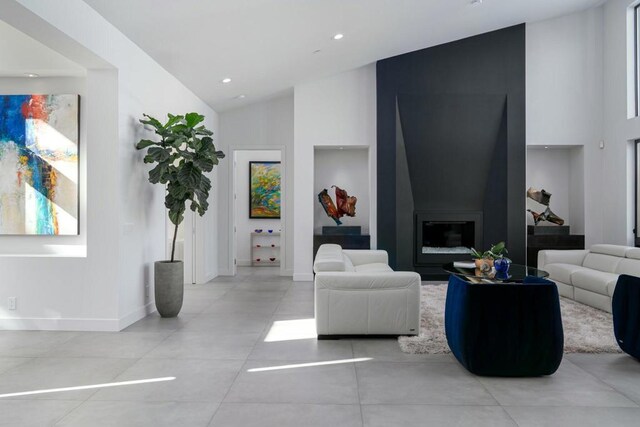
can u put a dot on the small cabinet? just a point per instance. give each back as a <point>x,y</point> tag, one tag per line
<point>265,249</point>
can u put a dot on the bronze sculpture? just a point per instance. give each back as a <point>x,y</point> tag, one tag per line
<point>346,204</point>
<point>543,197</point>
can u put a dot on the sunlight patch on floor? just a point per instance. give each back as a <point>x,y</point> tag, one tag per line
<point>310,364</point>
<point>289,330</point>
<point>88,387</point>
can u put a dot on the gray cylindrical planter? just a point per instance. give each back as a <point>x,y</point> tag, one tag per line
<point>169,287</point>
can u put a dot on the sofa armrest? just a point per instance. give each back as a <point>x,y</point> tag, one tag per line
<point>355,281</point>
<point>366,256</point>
<point>575,257</point>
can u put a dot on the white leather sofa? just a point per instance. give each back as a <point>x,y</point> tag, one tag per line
<point>590,276</point>
<point>357,293</point>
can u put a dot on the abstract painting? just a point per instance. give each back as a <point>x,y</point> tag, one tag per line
<point>264,190</point>
<point>39,164</point>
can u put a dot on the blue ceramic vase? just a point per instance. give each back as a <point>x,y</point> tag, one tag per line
<point>502,265</point>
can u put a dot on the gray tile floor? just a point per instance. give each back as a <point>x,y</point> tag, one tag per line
<point>242,353</point>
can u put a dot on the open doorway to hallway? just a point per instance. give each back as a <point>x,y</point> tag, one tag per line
<point>257,209</point>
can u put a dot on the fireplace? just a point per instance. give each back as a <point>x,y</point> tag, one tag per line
<point>443,237</point>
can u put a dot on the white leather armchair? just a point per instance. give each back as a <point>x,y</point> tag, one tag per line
<point>357,293</point>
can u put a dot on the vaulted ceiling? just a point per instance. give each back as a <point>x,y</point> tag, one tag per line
<point>266,46</point>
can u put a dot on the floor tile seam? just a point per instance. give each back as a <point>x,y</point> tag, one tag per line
<point>67,413</point>
<point>504,409</point>
<point>570,406</point>
<point>217,359</point>
<point>244,364</point>
<point>603,381</point>
<point>93,392</point>
<point>355,370</point>
<point>478,380</point>
<point>451,405</point>
<point>170,334</point>
<point>288,403</point>
<point>137,400</point>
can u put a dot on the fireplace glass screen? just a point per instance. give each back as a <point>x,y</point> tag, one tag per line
<point>439,237</point>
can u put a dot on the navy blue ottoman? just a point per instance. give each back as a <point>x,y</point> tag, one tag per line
<point>625,307</point>
<point>506,329</point>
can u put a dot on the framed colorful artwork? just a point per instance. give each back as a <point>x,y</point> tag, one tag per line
<point>39,137</point>
<point>264,190</point>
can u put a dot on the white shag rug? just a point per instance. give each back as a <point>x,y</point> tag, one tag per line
<point>586,329</point>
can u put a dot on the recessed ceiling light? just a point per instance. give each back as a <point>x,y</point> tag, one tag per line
<point>226,80</point>
<point>240,96</point>
<point>32,75</point>
<point>338,36</point>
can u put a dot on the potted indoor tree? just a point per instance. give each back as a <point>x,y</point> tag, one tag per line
<point>184,153</point>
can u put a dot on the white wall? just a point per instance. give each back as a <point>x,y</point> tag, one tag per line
<point>263,125</point>
<point>565,69</point>
<point>616,197</point>
<point>334,111</point>
<point>349,170</point>
<point>126,216</point>
<point>245,225</point>
<point>560,172</point>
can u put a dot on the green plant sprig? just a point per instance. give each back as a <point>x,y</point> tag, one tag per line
<point>496,251</point>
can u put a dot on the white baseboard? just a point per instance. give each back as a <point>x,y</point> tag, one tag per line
<point>303,277</point>
<point>75,324</point>
<point>136,315</point>
<point>60,324</point>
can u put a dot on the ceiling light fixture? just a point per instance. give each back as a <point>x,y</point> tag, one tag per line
<point>338,36</point>
<point>226,80</point>
<point>476,2</point>
<point>32,75</point>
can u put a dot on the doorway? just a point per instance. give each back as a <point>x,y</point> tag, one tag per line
<point>258,209</point>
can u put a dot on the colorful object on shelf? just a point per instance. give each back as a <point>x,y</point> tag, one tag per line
<point>346,204</point>
<point>258,230</point>
<point>39,137</point>
<point>544,198</point>
<point>264,190</point>
<point>273,246</point>
<point>258,259</point>
<point>272,259</point>
<point>269,231</point>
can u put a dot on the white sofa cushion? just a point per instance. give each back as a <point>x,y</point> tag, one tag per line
<point>547,256</point>
<point>367,281</point>
<point>629,266</point>
<point>633,253</point>
<point>348,265</point>
<point>614,250</point>
<point>562,272</point>
<point>329,258</point>
<point>376,267</point>
<point>594,281</point>
<point>369,256</point>
<point>606,263</point>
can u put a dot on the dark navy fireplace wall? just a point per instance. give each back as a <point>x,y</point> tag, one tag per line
<point>451,138</point>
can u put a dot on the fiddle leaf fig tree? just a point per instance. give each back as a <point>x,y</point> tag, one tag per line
<point>183,155</point>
